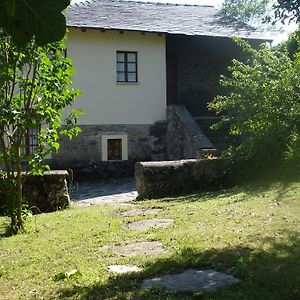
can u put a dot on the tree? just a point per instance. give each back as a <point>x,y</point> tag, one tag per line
<point>25,19</point>
<point>255,13</point>
<point>35,88</point>
<point>287,10</point>
<point>262,107</point>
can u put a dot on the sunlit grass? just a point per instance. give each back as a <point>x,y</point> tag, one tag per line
<point>252,232</point>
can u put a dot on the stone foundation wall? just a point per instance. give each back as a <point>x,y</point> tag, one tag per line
<point>44,193</point>
<point>83,154</point>
<point>168,178</point>
<point>185,139</point>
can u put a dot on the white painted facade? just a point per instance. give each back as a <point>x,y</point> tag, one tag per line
<point>103,99</point>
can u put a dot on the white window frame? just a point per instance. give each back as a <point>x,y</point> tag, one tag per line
<point>124,141</point>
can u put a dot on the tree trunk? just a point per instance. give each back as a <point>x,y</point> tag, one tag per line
<point>19,186</point>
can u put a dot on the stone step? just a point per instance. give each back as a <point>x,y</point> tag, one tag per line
<point>219,137</point>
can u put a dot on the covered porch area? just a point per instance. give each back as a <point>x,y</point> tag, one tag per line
<point>194,67</point>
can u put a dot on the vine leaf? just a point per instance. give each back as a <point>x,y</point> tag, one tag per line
<point>25,19</point>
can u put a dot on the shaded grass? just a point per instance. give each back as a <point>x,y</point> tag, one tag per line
<point>252,232</point>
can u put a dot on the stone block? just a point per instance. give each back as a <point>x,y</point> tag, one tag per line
<point>46,193</point>
<point>169,178</point>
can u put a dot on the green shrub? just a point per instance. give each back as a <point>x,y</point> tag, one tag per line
<point>262,107</point>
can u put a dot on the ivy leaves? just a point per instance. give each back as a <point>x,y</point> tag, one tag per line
<point>25,19</point>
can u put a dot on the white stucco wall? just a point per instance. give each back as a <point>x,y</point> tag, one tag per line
<point>103,99</point>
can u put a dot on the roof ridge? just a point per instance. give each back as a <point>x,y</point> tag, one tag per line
<point>162,3</point>
<point>153,2</point>
<point>83,2</point>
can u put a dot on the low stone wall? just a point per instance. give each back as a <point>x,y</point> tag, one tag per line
<point>168,178</point>
<point>46,193</point>
<point>85,170</point>
<point>185,139</point>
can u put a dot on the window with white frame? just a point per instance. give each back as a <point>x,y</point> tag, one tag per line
<point>127,66</point>
<point>114,147</point>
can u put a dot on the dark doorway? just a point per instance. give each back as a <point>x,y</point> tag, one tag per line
<point>171,79</point>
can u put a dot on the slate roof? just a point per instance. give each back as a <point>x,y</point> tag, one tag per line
<point>194,20</point>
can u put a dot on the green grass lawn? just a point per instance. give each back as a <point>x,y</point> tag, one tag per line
<point>252,232</point>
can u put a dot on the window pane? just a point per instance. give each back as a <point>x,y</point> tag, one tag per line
<point>114,149</point>
<point>131,57</point>
<point>120,67</point>
<point>132,77</point>
<point>33,139</point>
<point>120,56</point>
<point>120,77</point>
<point>131,67</point>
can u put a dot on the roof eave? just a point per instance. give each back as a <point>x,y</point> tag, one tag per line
<point>248,37</point>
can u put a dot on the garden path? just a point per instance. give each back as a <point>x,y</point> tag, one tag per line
<point>97,192</point>
<point>117,193</point>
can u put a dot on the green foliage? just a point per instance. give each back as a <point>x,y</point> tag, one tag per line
<point>287,10</point>
<point>252,12</point>
<point>35,88</point>
<point>262,107</point>
<point>66,275</point>
<point>292,44</point>
<point>25,19</point>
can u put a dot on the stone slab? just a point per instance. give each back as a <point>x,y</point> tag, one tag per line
<point>191,280</point>
<point>113,200</point>
<point>123,269</point>
<point>96,192</point>
<point>138,248</point>
<point>150,223</point>
<point>140,212</point>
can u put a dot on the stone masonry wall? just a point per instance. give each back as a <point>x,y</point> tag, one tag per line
<point>200,62</point>
<point>83,153</point>
<point>168,178</point>
<point>185,139</point>
<point>44,193</point>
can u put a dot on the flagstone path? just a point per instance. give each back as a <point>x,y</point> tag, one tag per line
<point>111,192</point>
<point>150,223</point>
<point>118,194</point>
<point>138,248</point>
<point>123,269</point>
<point>192,281</point>
<point>139,212</point>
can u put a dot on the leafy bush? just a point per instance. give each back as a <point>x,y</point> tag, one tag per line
<point>35,89</point>
<point>262,107</point>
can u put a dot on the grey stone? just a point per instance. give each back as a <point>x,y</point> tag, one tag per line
<point>114,193</point>
<point>168,178</point>
<point>113,200</point>
<point>123,269</point>
<point>176,19</point>
<point>185,139</point>
<point>138,248</point>
<point>45,193</point>
<point>139,212</point>
<point>151,223</point>
<point>124,205</point>
<point>85,159</point>
<point>192,280</point>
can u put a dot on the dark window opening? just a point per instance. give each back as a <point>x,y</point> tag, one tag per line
<point>127,66</point>
<point>30,141</point>
<point>114,149</point>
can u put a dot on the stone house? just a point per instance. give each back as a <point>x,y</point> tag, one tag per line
<point>146,72</point>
